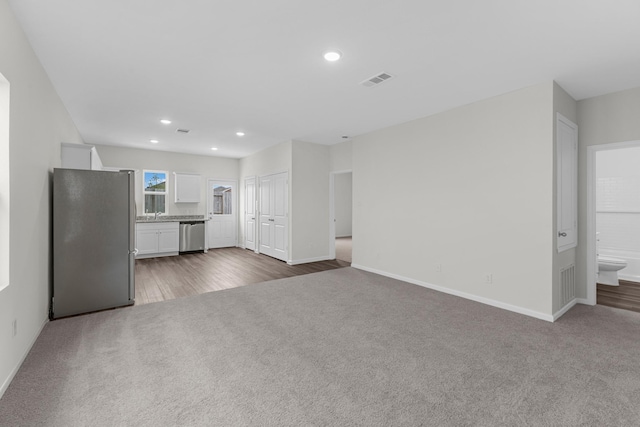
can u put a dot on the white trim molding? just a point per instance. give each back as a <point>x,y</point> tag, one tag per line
<point>308,260</point>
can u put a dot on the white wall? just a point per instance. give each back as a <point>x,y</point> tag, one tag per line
<point>343,198</point>
<point>618,207</point>
<point>341,156</point>
<point>38,123</point>
<point>310,202</point>
<point>205,166</point>
<point>604,119</point>
<point>470,190</point>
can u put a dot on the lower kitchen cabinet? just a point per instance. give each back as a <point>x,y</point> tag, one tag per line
<point>157,239</point>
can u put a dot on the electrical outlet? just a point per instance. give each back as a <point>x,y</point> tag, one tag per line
<point>439,268</point>
<point>14,327</point>
<point>488,279</point>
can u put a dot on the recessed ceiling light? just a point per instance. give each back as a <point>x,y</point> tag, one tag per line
<point>240,133</point>
<point>332,55</point>
<point>153,141</point>
<point>165,122</point>
<point>214,148</point>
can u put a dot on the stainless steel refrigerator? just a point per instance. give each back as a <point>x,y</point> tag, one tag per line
<point>93,241</point>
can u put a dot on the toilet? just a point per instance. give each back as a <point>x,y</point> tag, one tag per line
<point>608,268</point>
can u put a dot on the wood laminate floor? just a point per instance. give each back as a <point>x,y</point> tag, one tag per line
<point>165,278</point>
<point>625,296</point>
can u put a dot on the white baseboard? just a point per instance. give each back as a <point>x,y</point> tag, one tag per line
<point>307,260</point>
<point>158,255</point>
<point>483,300</point>
<point>5,384</point>
<point>564,309</point>
<point>584,301</point>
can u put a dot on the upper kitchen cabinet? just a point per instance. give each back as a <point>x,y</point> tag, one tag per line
<point>80,156</point>
<point>187,188</point>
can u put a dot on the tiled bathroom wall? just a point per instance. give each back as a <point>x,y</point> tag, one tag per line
<point>618,207</point>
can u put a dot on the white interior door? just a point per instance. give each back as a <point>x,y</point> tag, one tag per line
<point>250,213</point>
<point>567,181</point>
<point>280,209</point>
<point>221,200</point>
<point>266,222</point>
<point>274,212</point>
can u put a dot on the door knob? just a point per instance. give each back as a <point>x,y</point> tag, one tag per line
<point>562,234</point>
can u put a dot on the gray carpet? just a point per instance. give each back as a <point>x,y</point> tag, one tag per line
<point>336,348</point>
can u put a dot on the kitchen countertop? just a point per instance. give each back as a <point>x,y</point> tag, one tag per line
<point>171,218</point>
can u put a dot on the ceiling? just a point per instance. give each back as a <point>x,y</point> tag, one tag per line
<point>218,67</point>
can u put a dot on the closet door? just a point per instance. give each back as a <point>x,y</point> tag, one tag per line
<point>567,183</point>
<point>266,223</point>
<point>250,213</point>
<point>280,209</point>
<point>274,215</point>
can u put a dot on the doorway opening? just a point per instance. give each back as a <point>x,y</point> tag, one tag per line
<point>613,225</point>
<point>341,216</point>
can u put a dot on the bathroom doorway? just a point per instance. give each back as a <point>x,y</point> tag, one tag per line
<point>613,240</point>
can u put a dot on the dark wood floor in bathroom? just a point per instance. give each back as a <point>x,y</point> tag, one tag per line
<point>625,296</point>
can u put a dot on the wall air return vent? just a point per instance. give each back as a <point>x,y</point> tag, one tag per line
<point>376,80</point>
<point>182,130</point>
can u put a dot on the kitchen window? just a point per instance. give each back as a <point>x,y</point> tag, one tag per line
<point>155,184</point>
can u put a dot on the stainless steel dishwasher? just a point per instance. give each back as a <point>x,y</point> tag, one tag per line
<point>191,236</point>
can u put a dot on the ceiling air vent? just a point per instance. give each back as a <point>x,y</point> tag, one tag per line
<point>376,80</point>
<point>182,130</point>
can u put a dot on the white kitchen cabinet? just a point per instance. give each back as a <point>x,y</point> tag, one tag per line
<point>187,188</point>
<point>79,156</point>
<point>156,239</point>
